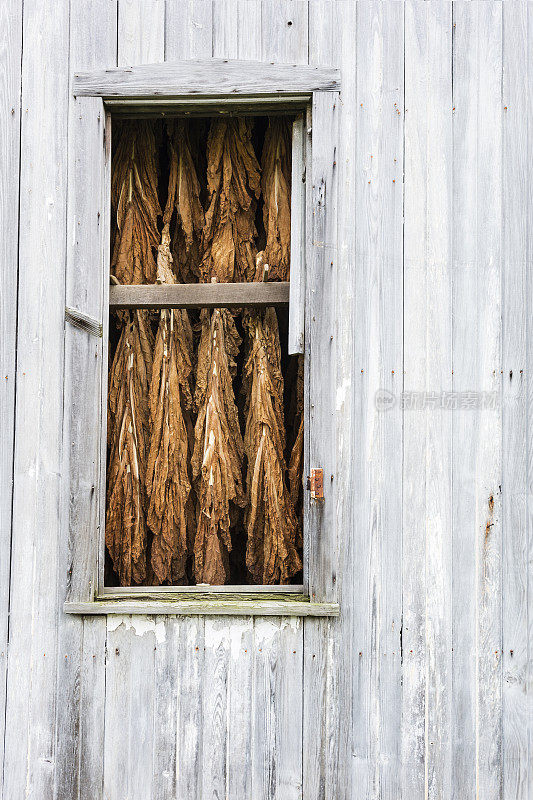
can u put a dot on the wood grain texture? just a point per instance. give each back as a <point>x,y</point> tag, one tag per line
<point>345,706</point>
<point>141,32</point>
<point>208,77</point>
<point>320,291</point>
<point>213,767</point>
<point>29,765</point>
<point>188,30</point>
<point>284,32</point>
<point>207,606</point>
<point>477,443</point>
<point>516,701</point>
<point>198,295</point>
<point>10,77</point>
<point>130,706</point>
<point>529,401</point>
<point>321,712</point>
<point>427,641</point>
<point>241,708</point>
<point>79,739</point>
<point>298,258</point>
<point>237,29</point>
<point>276,748</point>
<point>378,366</point>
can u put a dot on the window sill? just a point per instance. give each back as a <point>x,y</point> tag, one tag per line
<point>279,605</point>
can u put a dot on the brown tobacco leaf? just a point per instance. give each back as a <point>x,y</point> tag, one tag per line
<point>233,181</point>
<point>272,527</point>
<point>276,186</point>
<point>167,480</point>
<point>184,199</point>
<point>135,203</point>
<point>127,440</point>
<point>218,451</point>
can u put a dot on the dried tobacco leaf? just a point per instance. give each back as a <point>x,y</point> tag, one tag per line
<point>127,440</point>
<point>233,180</point>
<point>276,186</point>
<point>184,199</point>
<point>218,451</point>
<point>135,203</point>
<point>167,479</point>
<point>272,527</point>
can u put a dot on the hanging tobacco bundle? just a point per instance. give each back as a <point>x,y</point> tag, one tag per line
<point>135,203</point>
<point>184,198</point>
<point>134,199</point>
<point>233,181</point>
<point>127,441</point>
<point>167,478</point>
<point>276,186</point>
<point>272,527</point>
<point>229,255</point>
<point>218,451</point>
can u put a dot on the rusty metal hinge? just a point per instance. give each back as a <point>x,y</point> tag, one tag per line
<point>315,484</point>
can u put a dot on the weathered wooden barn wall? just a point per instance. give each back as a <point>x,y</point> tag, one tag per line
<point>420,689</point>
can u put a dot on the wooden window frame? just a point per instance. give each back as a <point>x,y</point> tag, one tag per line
<point>212,86</point>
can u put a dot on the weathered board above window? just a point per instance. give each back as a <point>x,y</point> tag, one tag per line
<point>313,95</point>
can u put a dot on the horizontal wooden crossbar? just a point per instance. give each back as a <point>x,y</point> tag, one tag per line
<point>200,295</point>
<point>228,605</point>
<point>210,77</point>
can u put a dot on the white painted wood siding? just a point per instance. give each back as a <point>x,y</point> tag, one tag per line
<point>422,687</point>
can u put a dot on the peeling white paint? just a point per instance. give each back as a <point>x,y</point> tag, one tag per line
<point>140,625</point>
<point>216,634</point>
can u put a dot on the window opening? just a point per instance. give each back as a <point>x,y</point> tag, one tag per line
<point>205,406</point>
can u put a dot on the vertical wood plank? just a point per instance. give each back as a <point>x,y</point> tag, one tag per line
<point>34,611</point>
<point>91,44</point>
<point>321,429</point>
<point>297,269</point>
<point>320,323</point>
<point>276,756</point>
<point>190,708</point>
<point>188,29</point>
<point>167,695</point>
<point>321,706</point>
<point>516,216</point>
<point>377,573</point>
<point>240,708</point>
<point>10,77</point>
<point>130,706</point>
<point>529,400</point>
<point>477,431</point>
<point>346,706</point>
<point>427,643</point>
<point>214,702</point>
<point>91,710</point>
<point>237,29</point>
<point>117,709</point>
<point>141,32</point>
<point>284,26</point>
